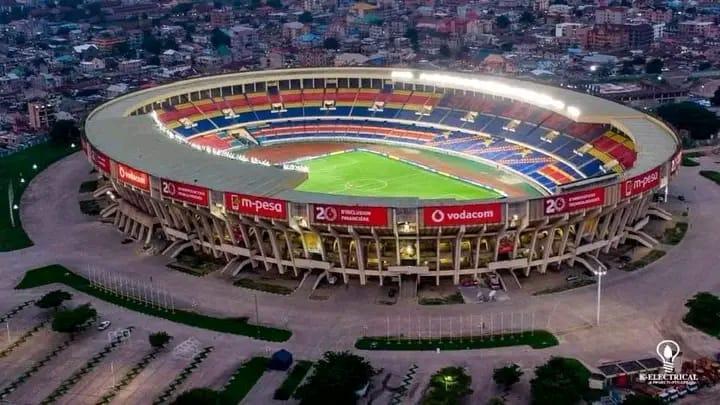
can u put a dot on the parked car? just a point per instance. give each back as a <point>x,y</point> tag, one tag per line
<point>103,325</point>
<point>572,278</point>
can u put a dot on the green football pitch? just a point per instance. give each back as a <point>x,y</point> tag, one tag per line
<point>360,173</point>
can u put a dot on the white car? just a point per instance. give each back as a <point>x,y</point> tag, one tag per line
<point>103,325</point>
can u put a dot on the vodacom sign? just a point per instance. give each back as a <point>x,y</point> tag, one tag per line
<point>453,215</point>
<point>133,177</point>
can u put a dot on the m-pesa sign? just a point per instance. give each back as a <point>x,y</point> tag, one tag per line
<point>184,192</point>
<point>454,215</point>
<point>641,183</point>
<point>133,177</point>
<point>349,215</point>
<point>579,200</point>
<point>260,206</point>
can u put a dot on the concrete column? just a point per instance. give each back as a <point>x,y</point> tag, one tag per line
<point>456,256</point>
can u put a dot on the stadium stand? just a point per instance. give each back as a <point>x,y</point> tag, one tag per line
<point>556,149</point>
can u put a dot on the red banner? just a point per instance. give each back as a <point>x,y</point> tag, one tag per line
<point>579,200</point>
<point>453,215</point>
<point>133,177</point>
<point>99,159</point>
<point>641,183</point>
<point>350,215</point>
<point>184,192</point>
<point>260,206</point>
<point>675,162</point>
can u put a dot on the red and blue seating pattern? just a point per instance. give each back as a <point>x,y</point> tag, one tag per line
<point>544,145</point>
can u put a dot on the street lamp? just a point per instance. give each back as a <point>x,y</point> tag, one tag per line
<point>448,380</point>
<point>599,273</point>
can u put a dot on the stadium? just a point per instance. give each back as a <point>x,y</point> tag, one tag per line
<point>379,173</point>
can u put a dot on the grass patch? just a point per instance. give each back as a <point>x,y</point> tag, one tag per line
<point>293,380</point>
<point>566,286</point>
<point>703,310</point>
<point>537,339</point>
<point>12,169</point>
<point>711,175</point>
<point>90,207</point>
<point>674,235</point>
<point>88,186</point>
<point>237,326</point>
<point>693,154</point>
<point>647,259</point>
<point>447,300</point>
<point>689,162</point>
<point>242,380</point>
<point>260,286</point>
<point>347,174</point>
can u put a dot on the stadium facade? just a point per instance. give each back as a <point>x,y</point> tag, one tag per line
<point>168,155</point>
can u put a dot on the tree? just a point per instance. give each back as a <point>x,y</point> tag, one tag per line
<point>53,299</point>
<point>502,22</point>
<point>560,381</point>
<point>204,396</point>
<point>218,38</point>
<point>331,43</point>
<point>496,401</point>
<point>507,376</point>
<point>704,65</point>
<point>448,386</point>
<point>636,399</point>
<point>64,132</point>
<point>71,320</point>
<point>159,339</point>
<point>335,379</point>
<point>703,311</point>
<point>696,119</point>
<point>527,17</point>
<point>654,66</point>
<point>715,99</point>
<point>306,17</point>
<point>276,4</point>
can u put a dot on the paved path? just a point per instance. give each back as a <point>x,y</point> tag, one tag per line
<point>639,308</point>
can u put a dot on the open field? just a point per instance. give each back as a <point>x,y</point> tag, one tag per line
<point>360,173</point>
